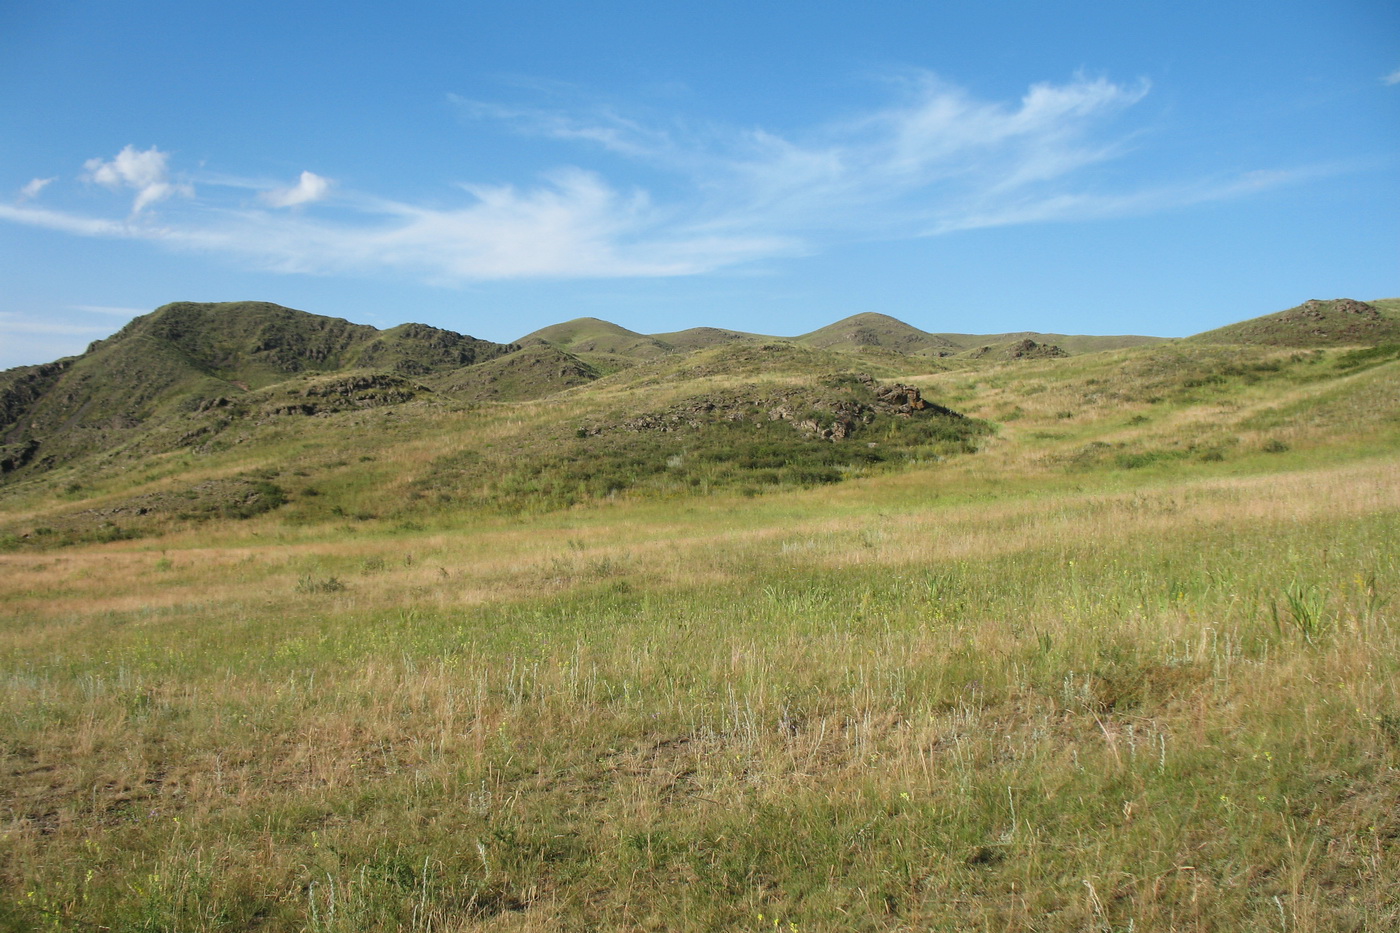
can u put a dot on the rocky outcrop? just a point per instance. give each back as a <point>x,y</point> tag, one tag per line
<point>14,456</point>
<point>1327,319</point>
<point>22,388</point>
<point>343,393</point>
<point>1026,349</point>
<point>821,414</point>
<point>367,389</point>
<point>1030,350</point>
<point>1316,310</point>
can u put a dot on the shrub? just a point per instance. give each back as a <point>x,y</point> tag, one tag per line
<point>309,584</point>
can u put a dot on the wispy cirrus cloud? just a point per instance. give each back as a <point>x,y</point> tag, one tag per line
<point>933,160</point>
<point>68,222</point>
<point>570,224</point>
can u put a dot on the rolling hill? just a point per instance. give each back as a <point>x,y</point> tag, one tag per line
<point>593,337</point>
<point>700,338</point>
<point>183,356</point>
<point>864,331</point>
<point>1314,323</point>
<point>189,371</point>
<point>751,635</point>
<point>870,334</point>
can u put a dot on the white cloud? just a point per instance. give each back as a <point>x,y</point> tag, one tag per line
<point>31,190</point>
<point>602,127</point>
<point>573,224</point>
<point>144,172</point>
<point>68,223</point>
<point>933,161</point>
<point>311,187</point>
<point>880,173</point>
<point>1074,207</point>
<point>1393,77</point>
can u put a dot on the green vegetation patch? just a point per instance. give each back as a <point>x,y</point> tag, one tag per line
<point>754,440</point>
<point>141,515</point>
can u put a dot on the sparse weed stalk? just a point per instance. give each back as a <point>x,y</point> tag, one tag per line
<point>1304,611</point>
<point>310,583</point>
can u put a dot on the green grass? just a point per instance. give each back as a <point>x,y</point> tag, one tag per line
<point>961,741</point>
<point>1151,687</point>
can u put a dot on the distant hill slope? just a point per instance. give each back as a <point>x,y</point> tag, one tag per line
<point>870,330</point>
<point>862,331</point>
<point>530,372</point>
<point>591,335</point>
<point>610,345</point>
<point>186,354</point>
<point>259,343</point>
<point>138,391</point>
<point>701,338</point>
<point>1070,343</point>
<point>1315,323</point>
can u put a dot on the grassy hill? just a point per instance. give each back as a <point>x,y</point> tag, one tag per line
<point>700,338</point>
<point>875,336</point>
<point>601,343</point>
<point>532,372</point>
<point>181,359</point>
<point>862,331</point>
<point>733,638</point>
<point>1339,322</point>
<point>867,331</point>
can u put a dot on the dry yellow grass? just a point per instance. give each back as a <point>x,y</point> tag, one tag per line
<point>991,693</point>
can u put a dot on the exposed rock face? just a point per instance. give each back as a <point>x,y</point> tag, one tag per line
<point>1026,349</point>
<point>357,390</point>
<point>901,399</point>
<point>367,388</point>
<point>1316,310</point>
<point>1029,349</point>
<point>14,456</point>
<point>21,388</point>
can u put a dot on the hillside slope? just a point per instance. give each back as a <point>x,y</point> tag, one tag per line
<point>862,331</point>
<point>1315,323</point>
<point>531,372</point>
<point>1070,343</point>
<point>700,338</point>
<point>189,372</point>
<point>591,335</point>
<point>187,355</point>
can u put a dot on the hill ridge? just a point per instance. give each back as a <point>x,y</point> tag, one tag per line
<point>1315,322</point>
<point>184,356</point>
<point>162,365</point>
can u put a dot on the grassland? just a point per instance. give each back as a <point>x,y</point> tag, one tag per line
<point>1132,665</point>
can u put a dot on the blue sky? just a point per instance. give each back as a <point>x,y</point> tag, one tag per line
<point>1125,167</point>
